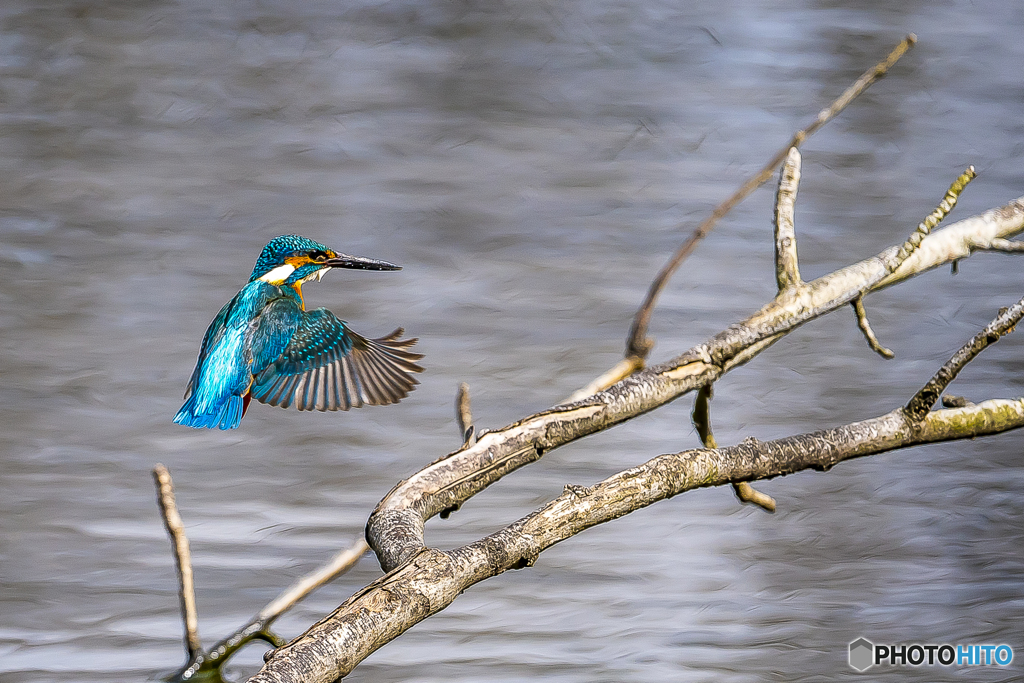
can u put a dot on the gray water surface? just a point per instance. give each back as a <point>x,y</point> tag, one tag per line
<point>531,165</point>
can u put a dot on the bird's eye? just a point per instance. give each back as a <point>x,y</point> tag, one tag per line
<point>318,256</point>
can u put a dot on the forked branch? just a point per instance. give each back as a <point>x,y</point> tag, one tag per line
<point>424,580</point>
<point>421,580</point>
<point>638,344</point>
<point>205,664</point>
<point>1004,323</point>
<point>431,579</point>
<point>395,530</point>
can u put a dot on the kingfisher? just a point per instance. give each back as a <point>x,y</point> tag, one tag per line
<point>264,344</point>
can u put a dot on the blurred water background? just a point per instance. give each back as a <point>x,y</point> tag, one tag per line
<point>531,164</point>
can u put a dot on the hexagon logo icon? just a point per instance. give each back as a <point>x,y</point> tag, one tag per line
<point>862,654</point>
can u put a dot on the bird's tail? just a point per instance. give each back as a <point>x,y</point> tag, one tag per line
<point>227,415</point>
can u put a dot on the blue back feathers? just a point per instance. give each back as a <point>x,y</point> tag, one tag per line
<point>264,345</point>
<point>234,349</point>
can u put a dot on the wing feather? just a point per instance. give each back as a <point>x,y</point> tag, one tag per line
<point>321,386</point>
<point>372,383</point>
<point>353,397</point>
<point>388,381</point>
<point>331,395</point>
<point>327,366</point>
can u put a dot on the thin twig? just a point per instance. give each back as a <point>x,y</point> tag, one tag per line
<point>338,565</point>
<point>787,268</point>
<point>182,558</point>
<point>869,334</point>
<point>623,369</point>
<point>637,343</point>
<point>748,494</point>
<point>463,414</point>
<point>258,628</point>
<point>925,227</point>
<point>922,403</point>
<point>701,417</point>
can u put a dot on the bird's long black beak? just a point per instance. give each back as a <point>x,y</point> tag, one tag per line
<point>359,263</point>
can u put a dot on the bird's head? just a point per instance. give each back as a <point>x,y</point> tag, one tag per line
<point>292,260</point>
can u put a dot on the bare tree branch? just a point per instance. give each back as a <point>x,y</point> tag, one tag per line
<point>182,558</point>
<point>201,661</point>
<point>869,334</point>
<point>637,342</point>
<point>923,401</point>
<point>787,268</point>
<point>701,417</point>
<point>395,529</point>
<point>423,580</point>
<point>431,579</point>
<point>463,414</point>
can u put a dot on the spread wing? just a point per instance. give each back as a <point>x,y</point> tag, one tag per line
<point>327,366</point>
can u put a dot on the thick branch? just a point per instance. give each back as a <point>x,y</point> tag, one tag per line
<point>395,530</point>
<point>431,579</point>
<point>422,580</point>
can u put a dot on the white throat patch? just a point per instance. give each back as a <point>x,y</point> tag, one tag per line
<point>316,275</point>
<point>279,275</point>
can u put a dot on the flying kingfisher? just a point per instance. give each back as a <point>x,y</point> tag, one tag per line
<point>264,344</point>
